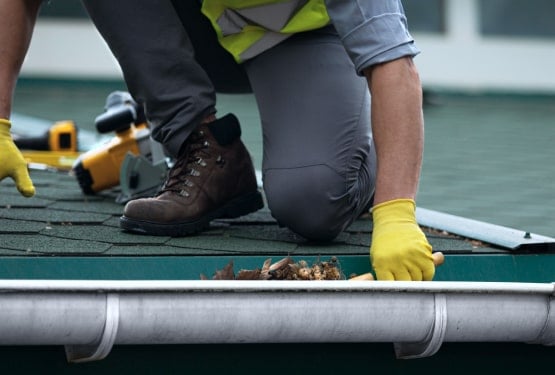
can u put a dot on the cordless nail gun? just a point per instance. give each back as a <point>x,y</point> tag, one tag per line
<point>131,159</point>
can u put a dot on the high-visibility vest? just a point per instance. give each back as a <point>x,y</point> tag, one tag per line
<point>246,28</point>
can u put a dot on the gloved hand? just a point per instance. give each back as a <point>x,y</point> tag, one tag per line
<point>12,163</point>
<point>399,250</point>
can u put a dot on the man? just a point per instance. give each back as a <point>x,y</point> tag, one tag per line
<point>16,30</point>
<point>319,162</point>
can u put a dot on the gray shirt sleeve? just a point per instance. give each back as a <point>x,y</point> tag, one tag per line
<point>372,31</point>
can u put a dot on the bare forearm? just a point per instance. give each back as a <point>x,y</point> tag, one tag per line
<point>398,128</point>
<point>16,29</point>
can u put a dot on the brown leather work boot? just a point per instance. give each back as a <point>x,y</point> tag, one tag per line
<point>213,178</point>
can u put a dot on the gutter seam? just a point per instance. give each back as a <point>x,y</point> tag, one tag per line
<point>547,334</point>
<point>435,338</point>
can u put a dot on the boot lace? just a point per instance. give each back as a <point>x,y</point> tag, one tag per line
<point>188,165</point>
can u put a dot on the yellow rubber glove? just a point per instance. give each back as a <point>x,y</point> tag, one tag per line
<point>12,163</point>
<point>399,250</point>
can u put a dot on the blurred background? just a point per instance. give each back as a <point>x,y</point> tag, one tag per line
<point>487,71</point>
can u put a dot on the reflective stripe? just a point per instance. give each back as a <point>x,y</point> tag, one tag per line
<point>272,16</point>
<point>231,23</point>
<point>269,39</point>
<point>254,26</point>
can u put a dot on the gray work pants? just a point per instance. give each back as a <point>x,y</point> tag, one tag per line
<point>318,158</point>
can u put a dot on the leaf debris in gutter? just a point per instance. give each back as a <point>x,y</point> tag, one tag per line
<point>284,269</point>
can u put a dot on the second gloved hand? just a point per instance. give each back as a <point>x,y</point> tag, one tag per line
<point>12,163</point>
<point>399,249</point>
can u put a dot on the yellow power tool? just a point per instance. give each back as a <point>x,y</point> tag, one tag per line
<point>57,147</point>
<point>100,168</point>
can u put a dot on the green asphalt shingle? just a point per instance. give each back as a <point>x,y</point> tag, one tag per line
<point>34,244</point>
<point>76,224</point>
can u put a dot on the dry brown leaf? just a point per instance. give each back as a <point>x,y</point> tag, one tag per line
<point>226,273</point>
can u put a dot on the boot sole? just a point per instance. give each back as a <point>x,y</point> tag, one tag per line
<point>237,207</point>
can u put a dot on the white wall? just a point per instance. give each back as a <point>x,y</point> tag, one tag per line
<point>63,48</point>
<point>461,59</point>
<point>464,59</point>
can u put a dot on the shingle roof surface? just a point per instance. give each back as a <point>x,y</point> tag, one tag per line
<point>60,220</point>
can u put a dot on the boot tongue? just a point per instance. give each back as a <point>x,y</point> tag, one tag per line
<point>226,129</point>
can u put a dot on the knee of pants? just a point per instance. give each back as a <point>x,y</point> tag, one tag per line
<point>307,200</point>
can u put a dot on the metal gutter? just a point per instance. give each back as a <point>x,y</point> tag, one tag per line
<point>510,238</point>
<point>89,317</point>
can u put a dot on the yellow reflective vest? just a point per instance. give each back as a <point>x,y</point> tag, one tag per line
<point>248,27</point>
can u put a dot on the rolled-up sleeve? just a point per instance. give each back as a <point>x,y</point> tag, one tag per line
<point>372,31</point>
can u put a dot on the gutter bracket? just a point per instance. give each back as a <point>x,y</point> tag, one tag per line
<point>98,351</point>
<point>432,343</point>
<point>547,335</point>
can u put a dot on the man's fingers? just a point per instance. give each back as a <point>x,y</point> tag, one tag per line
<point>23,182</point>
<point>438,258</point>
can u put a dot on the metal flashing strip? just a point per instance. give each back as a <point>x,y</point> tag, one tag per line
<point>510,238</point>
